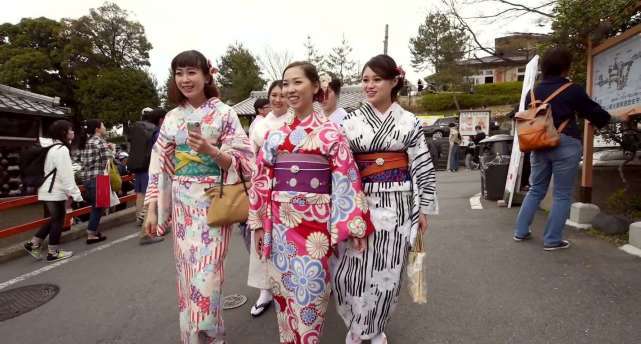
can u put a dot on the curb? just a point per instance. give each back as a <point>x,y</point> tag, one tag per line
<point>76,232</point>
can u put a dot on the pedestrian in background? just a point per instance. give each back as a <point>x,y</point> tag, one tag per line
<point>141,139</point>
<point>455,142</point>
<point>57,187</point>
<point>562,162</point>
<point>94,155</point>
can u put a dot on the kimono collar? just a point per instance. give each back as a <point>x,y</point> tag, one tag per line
<point>393,108</point>
<point>314,119</point>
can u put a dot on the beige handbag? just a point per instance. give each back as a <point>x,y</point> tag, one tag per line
<point>415,274</point>
<point>229,203</point>
<point>535,126</point>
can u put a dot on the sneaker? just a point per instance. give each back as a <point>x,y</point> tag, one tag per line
<point>33,250</point>
<point>58,255</point>
<point>147,240</point>
<point>563,244</point>
<point>527,236</point>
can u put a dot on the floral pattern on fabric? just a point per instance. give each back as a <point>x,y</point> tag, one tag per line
<point>301,229</point>
<point>199,249</point>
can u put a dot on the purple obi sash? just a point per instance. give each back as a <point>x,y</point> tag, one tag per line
<point>302,173</point>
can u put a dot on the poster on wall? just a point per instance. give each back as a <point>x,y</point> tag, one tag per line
<point>468,120</point>
<point>616,76</point>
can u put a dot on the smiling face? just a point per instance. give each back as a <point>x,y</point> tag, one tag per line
<point>377,90</point>
<point>278,101</point>
<point>299,90</point>
<point>191,82</point>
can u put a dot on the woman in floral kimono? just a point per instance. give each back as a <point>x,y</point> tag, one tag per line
<point>200,142</point>
<point>400,184</point>
<point>305,198</point>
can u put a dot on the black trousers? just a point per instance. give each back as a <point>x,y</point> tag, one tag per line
<point>53,228</point>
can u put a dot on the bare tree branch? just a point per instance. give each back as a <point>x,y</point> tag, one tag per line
<point>528,9</point>
<point>273,63</point>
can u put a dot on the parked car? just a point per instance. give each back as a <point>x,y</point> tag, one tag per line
<point>440,128</point>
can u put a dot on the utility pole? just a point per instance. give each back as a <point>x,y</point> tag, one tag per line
<point>386,39</point>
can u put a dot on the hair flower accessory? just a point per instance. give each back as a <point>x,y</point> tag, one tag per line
<point>324,79</point>
<point>401,72</point>
<point>212,70</point>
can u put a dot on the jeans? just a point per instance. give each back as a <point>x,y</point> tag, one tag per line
<point>454,161</point>
<point>561,162</point>
<point>96,213</point>
<point>53,228</point>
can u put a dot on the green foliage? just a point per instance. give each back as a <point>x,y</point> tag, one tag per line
<point>626,204</point>
<point>484,95</point>
<point>577,21</point>
<point>340,63</point>
<point>115,41</point>
<point>117,95</point>
<point>239,74</point>
<point>440,43</point>
<point>63,58</point>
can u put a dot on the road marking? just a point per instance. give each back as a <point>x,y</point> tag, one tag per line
<point>475,202</point>
<point>65,261</point>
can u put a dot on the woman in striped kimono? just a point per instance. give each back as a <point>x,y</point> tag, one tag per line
<point>200,142</point>
<point>306,197</point>
<point>400,185</point>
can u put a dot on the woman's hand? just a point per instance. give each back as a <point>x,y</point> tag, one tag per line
<point>423,223</point>
<point>151,220</point>
<point>200,144</point>
<point>259,235</point>
<point>359,244</point>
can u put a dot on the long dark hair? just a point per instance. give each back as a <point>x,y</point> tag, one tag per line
<point>195,59</point>
<point>59,129</point>
<point>88,130</point>
<point>386,68</point>
<point>311,73</point>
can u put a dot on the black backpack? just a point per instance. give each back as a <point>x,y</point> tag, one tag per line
<point>32,167</point>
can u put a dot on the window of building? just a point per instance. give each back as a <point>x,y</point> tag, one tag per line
<point>489,79</point>
<point>520,74</point>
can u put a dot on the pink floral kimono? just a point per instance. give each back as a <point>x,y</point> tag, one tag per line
<point>307,196</point>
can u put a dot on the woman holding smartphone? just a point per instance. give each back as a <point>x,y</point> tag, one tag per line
<point>201,142</point>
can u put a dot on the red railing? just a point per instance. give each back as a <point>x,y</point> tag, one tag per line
<point>29,200</point>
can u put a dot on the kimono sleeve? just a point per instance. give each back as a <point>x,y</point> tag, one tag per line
<point>349,214</point>
<point>261,189</point>
<point>422,172</point>
<point>234,141</point>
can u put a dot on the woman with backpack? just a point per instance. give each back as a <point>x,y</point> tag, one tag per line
<point>94,155</point>
<point>58,186</point>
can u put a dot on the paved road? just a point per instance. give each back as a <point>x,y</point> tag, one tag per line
<point>484,288</point>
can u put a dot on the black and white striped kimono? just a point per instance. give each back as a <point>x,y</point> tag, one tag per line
<point>367,285</point>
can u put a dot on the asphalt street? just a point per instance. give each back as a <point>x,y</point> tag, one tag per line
<point>483,288</point>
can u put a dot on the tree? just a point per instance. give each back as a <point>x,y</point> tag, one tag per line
<point>313,56</point>
<point>115,40</point>
<point>439,43</point>
<point>340,64</point>
<point>239,73</point>
<point>117,95</point>
<point>32,57</point>
<point>274,63</point>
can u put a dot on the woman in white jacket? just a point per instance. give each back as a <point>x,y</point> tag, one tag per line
<point>55,191</point>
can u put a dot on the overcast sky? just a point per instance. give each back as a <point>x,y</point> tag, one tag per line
<point>210,26</point>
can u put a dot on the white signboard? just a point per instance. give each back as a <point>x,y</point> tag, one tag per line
<point>616,76</point>
<point>516,160</point>
<point>468,120</point>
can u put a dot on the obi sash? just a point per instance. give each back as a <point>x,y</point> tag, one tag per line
<point>383,166</point>
<point>302,173</point>
<point>189,163</point>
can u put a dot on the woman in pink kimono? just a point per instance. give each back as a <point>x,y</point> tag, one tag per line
<point>200,142</point>
<point>306,197</point>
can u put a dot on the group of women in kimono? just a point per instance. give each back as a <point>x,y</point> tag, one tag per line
<point>333,206</point>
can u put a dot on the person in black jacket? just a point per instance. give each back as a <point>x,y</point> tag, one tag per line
<point>141,139</point>
<point>562,162</point>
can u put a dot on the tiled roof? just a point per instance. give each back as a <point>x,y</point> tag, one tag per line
<point>520,59</point>
<point>18,101</point>
<point>350,99</point>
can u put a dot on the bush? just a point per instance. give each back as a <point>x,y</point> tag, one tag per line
<point>626,204</point>
<point>513,87</point>
<point>445,101</point>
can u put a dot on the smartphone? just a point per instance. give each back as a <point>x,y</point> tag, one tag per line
<point>193,127</point>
